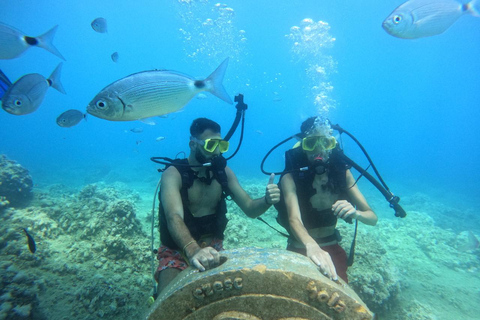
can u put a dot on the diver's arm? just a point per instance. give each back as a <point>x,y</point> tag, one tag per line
<point>252,208</point>
<point>320,257</point>
<point>363,212</point>
<point>201,258</point>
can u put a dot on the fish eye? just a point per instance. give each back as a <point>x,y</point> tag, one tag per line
<point>101,104</point>
<point>397,19</point>
<point>17,102</point>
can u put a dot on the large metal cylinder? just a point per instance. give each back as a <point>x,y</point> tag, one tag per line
<point>258,284</point>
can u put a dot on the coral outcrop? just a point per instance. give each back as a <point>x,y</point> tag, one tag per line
<point>15,183</point>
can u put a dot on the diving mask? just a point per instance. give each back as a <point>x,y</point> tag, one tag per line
<point>210,145</point>
<point>312,142</point>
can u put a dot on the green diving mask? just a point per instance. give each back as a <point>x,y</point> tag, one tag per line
<point>211,144</point>
<point>312,142</point>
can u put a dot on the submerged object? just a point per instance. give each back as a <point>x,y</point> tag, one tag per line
<point>14,42</point>
<point>99,25</point>
<point>263,284</point>
<point>153,93</point>
<point>424,18</point>
<point>70,118</point>
<point>26,94</point>
<point>5,83</point>
<point>115,56</point>
<point>30,241</point>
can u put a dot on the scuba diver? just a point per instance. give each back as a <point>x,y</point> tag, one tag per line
<point>317,189</point>
<point>192,210</point>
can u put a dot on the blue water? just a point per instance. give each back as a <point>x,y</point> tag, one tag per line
<point>412,103</point>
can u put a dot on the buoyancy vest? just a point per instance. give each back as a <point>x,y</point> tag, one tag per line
<point>337,184</point>
<point>213,224</point>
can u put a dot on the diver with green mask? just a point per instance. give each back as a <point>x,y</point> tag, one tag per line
<point>192,209</point>
<point>318,189</point>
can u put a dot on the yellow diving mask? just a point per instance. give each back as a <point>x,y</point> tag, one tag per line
<point>211,144</point>
<point>312,142</point>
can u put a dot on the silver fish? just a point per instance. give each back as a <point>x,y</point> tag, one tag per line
<point>424,18</point>
<point>14,42</point>
<point>99,25</point>
<point>26,94</point>
<point>153,93</point>
<point>114,56</point>
<point>70,118</point>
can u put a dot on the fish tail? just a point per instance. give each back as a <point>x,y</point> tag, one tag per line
<point>473,7</point>
<point>54,79</point>
<point>215,80</point>
<point>45,41</point>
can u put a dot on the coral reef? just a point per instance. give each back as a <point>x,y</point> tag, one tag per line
<point>88,243</point>
<point>93,260</point>
<point>15,183</point>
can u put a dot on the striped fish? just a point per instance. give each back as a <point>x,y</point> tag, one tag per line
<point>154,93</point>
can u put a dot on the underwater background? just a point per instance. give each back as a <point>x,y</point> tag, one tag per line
<point>413,104</point>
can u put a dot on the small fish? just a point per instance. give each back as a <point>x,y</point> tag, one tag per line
<point>99,25</point>
<point>14,42</point>
<point>31,242</point>
<point>26,94</point>
<point>138,142</point>
<point>137,130</point>
<point>5,83</point>
<point>70,118</point>
<point>424,18</point>
<point>150,121</point>
<point>153,93</point>
<point>259,132</point>
<point>115,57</point>
<point>160,138</point>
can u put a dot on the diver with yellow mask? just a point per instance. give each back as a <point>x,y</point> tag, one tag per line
<point>317,188</point>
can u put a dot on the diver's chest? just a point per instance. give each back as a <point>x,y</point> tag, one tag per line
<point>323,197</point>
<point>202,193</point>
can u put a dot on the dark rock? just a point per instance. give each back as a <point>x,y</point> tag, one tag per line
<point>15,182</point>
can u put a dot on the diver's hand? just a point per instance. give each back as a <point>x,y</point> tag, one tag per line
<point>272,192</point>
<point>205,258</point>
<point>322,259</point>
<point>344,209</point>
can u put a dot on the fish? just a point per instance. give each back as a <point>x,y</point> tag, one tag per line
<point>5,83</point>
<point>70,118</point>
<point>424,18</point>
<point>154,93</point>
<point>99,25</point>
<point>14,42</point>
<point>115,57</point>
<point>26,94</point>
<point>160,138</point>
<point>137,130</point>
<point>30,241</point>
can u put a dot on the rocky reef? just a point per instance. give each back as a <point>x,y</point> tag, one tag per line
<point>92,258</point>
<point>15,183</point>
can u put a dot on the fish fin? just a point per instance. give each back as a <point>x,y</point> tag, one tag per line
<point>55,79</point>
<point>45,41</point>
<point>4,79</point>
<point>473,7</point>
<point>216,79</point>
<point>4,84</point>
